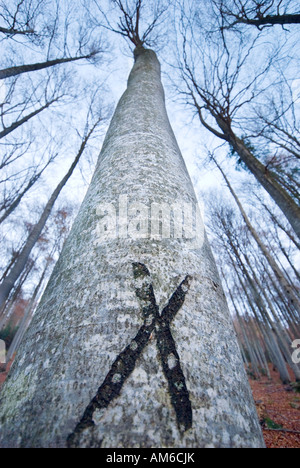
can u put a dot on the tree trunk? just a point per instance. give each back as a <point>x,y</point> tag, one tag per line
<point>285,285</point>
<point>277,357</point>
<point>265,177</point>
<point>271,20</point>
<point>281,226</point>
<point>8,211</point>
<point>25,119</point>
<point>15,71</point>
<point>7,308</point>
<point>132,344</point>
<point>27,317</point>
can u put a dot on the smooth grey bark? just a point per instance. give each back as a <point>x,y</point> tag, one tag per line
<point>99,321</point>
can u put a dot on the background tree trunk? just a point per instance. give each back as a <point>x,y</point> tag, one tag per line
<point>187,387</point>
<point>10,280</point>
<point>28,68</point>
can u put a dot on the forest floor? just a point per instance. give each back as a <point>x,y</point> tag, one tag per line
<point>278,408</point>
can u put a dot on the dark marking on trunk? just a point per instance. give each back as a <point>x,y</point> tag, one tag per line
<point>125,363</point>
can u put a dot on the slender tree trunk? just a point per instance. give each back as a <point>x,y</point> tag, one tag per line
<point>10,280</point>
<point>18,199</point>
<point>245,360</point>
<point>286,287</point>
<point>271,20</point>
<point>281,334</point>
<point>14,32</point>
<point>15,71</point>
<point>249,345</point>
<point>282,227</point>
<point>261,355</point>
<point>266,178</point>
<point>246,340</point>
<point>12,261</point>
<point>7,308</point>
<point>277,357</point>
<point>27,317</point>
<point>24,120</point>
<point>133,342</point>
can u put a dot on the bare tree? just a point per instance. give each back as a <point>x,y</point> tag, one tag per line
<point>12,200</point>
<point>59,229</point>
<point>138,22</point>
<point>122,307</point>
<point>281,277</point>
<point>16,111</point>
<point>259,13</point>
<point>9,282</point>
<point>226,97</point>
<point>252,268</point>
<point>18,18</point>
<point>19,70</point>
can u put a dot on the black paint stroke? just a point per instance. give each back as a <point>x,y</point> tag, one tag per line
<point>125,363</point>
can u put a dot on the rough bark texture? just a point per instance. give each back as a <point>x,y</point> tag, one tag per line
<point>96,368</point>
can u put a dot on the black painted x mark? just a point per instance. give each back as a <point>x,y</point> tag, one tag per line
<point>125,363</point>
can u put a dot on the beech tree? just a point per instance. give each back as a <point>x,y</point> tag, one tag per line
<point>251,107</point>
<point>251,284</point>
<point>9,282</point>
<point>133,342</point>
<point>286,286</point>
<point>40,42</point>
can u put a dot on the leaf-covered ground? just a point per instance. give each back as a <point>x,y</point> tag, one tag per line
<point>278,408</point>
